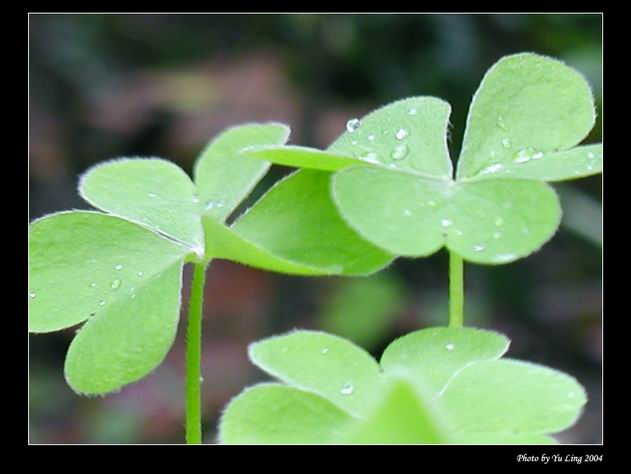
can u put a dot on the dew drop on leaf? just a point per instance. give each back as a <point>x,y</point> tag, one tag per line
<point>450,347</point>
<point>501,123</point>
<point>116,284</point>
<point>400,152</point>
<point>347,389</point>
<point>401,134</point>
<point>325,350</point>
<point>407,212</point>
<point>93,285</point>
<point>140,274</point>
<point>102,303</point>
<point>499,221</point>
<point>195,199</point>
<point>431,202</point>
<point>537,156</point>
<point>371,138</point>
<point>352,125</point>
<point>151,195</point>
<point>32,295</point>
<point>370,157</point>
<point>506,143</point>
<point>412,111</point>
<point>215,204</point>
<point>445,222</point>
<point>458,232</point>
<point>505,257</point>
<point>492,168</point>
<point>479,247</point>
<point>497,235</point>
<point>118,267</point>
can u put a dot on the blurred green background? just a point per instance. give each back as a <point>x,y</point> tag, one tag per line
<point>105,86</point>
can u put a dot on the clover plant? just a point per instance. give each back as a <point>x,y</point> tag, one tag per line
<point>437,385</point>
<point>383,189</point>
<point>392,180</point>
<point>120,271</point>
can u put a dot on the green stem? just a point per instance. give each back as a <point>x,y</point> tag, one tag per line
<point>194,356</point>
<point>456,291</point>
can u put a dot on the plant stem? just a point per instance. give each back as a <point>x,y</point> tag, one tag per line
<point>456,291</point>
<point>194,356</point>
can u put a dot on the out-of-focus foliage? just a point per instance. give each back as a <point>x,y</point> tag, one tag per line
<point>103,86</point>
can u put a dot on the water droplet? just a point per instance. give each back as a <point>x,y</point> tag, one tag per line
<point>537,156</point>
<point>571,394</point>
<point>352,125</point>
<point>492,168</point>
<point>118,267</point>
<point>324,351</point>
<point>450,347</point>
<point>431,202</point>
<point>400,152</point>
<point>116,284</point>
<point>591,156</point>
<point>445,222</point>
<point>92,285</point>
<point>411,111</point>
<point>407,212</point>
<point>458,232</point>
<point>215,204</point>
<point>32,295</point>
<point>133,295</point>
<point>201,380</point>
<point>401,134</point>
<point>354,142</point>
<point>499,221</point>
<point>524,155</point>
<point>501,123</point>
<point>102,303</point>
<point>479,247</point>
<point>347,389</point>
<point>497,235</point>
<point>506,143</point>
<point>370,157</point>
<point>151,195</point>
<point>140,274</point>
<point>505,257</point>
<point>195,199</point>
<point>371,138</point>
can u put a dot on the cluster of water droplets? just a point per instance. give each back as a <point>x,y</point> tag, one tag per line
<point>214,204</point>
<point>527,154</point>
<point>115,285</point>
<point>591,158</point>
<point>399,152</point>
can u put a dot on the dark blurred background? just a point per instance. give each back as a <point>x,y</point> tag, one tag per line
<point>104,86</point>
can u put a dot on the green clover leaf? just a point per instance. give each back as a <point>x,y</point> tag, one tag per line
<point>393,181</point>
<point>436,385</point>
<point>120,271</point>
